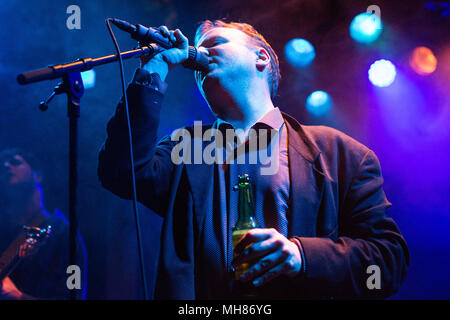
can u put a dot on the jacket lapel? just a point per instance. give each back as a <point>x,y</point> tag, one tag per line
<point>201,179</point>
<point>306,179</point>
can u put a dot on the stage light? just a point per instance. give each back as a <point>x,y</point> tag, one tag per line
<point>382,73</point>
<point>88,78</point>
<point>423,61</point>
<point>366,28</point>
<point>318,103</point>
<point>299,52</point>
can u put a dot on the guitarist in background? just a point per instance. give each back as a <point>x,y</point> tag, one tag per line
<point>41,274</point>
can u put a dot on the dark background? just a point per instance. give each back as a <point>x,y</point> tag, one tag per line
<point>406,124</point>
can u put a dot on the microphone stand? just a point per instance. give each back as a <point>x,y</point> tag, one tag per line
<point>84,64</point>
<point>72,86</point>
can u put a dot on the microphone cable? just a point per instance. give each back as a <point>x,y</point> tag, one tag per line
<point>133,176</point>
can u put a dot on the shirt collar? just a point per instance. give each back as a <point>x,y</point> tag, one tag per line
<point>273,118</point>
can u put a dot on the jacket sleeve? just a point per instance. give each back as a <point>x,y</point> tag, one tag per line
<point>153,165</point>
<point>368,242</point>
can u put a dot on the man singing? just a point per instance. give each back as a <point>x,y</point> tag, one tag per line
<point>322,212</point>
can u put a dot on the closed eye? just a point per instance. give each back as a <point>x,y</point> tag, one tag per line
<point>213,42</point>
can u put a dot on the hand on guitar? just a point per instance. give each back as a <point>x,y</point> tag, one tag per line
<point>34,238</point>
<point>9,290</point>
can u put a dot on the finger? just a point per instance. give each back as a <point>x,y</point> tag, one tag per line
<point>180,38</point>
<point>269,275</point>
<point>164,31</point>
<point>264,264</point>
<point>254,235</point>
<point>179,35</point>
<point>257,250</point>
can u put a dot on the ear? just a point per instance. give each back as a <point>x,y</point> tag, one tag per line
<point>262,59</point>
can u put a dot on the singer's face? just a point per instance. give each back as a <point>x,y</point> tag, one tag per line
<point>232,59</point>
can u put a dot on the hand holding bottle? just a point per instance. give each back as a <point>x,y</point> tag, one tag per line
<point>275,255</point>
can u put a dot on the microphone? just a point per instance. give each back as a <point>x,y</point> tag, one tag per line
<point>196,59</point>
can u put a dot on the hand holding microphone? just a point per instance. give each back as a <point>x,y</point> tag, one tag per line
<point>176,45</point>
<point>162,62</point>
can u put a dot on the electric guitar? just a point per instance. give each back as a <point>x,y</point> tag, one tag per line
<point>24,246</point>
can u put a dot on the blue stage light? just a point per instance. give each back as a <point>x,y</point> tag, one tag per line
<point>382,73</point>
<point>366,28</point>
<point>299,52</point>
<point>88,78</point>
<point>318,103</point>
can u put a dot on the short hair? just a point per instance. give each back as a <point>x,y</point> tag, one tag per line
<point>29,157</point>
<point>255,36</point>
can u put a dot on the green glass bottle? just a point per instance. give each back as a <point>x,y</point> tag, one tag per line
<point>247,219</point>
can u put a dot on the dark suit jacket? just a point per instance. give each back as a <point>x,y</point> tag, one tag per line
<point>337,209</point>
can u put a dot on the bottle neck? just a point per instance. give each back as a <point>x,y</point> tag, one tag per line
<point>247,219</point>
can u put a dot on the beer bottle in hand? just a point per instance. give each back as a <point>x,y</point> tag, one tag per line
<point>247,219</point>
